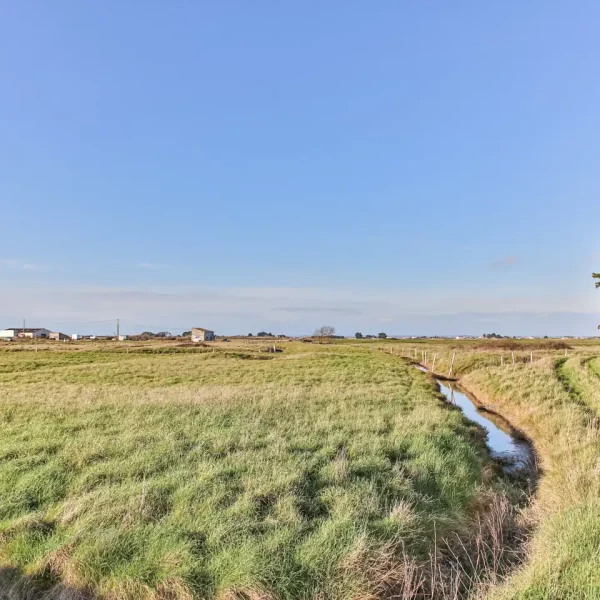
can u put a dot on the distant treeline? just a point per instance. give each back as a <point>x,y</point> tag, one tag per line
<point>360,336</point>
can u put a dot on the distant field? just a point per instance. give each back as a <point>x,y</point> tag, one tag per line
<point>325,471</point>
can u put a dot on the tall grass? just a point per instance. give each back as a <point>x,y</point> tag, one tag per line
<point>324,472</point>
<point>329,471</point>
<point>556,401</point>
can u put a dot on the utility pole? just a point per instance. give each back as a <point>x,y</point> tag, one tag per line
<point>117,330</point>
<point>23,326</point>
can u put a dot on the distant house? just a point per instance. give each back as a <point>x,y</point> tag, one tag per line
<point>59,337</point>
<point>22,332</point>
<point>200,334</point>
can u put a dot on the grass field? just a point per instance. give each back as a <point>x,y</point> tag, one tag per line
<point>228,474</point>
<point>325,471</point>
<point>556,401</point>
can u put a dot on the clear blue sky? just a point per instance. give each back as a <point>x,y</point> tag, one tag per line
<point>400,166</point>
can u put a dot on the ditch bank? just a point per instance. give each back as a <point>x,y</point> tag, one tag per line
<point>507,444</point>
<point>482,559</point>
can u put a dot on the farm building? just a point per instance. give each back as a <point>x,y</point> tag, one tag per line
<point>58,336</point>
<point>202,335</point>
<point>22,332</point>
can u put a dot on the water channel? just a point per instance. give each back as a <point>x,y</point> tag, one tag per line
<point>504,442</point>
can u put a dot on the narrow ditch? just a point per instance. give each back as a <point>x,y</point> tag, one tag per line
<point>486,557</point>
<point>505,443</point>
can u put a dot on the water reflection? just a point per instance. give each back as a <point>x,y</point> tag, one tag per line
<point>501,439</point>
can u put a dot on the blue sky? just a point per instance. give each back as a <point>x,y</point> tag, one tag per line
<point>406,167</point>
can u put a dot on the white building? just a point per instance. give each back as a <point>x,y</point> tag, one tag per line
<point>21,332</point>
<point>59,337</point>
<point>199,334</point>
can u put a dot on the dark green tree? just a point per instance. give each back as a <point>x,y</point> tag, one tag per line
<point>358,335</point>
<point>382,336</point>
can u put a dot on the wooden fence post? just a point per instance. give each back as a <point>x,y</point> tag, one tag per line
<point>433,365</point>
<point>531,358</point>
<point>501,360</point>
<point>513,357</point>
<point>451,365</point>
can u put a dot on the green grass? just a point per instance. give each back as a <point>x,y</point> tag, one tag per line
<point>556,402</point>
<point>594,365</point>
<point>208,475</point>
<point>565,548</point>
<point>327,471</point>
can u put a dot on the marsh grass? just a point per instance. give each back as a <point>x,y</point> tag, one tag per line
<point>323,472</point>
<point>556,402</point>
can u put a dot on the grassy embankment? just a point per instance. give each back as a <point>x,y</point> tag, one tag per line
<point>323,472</point>
<point>556,402</point>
